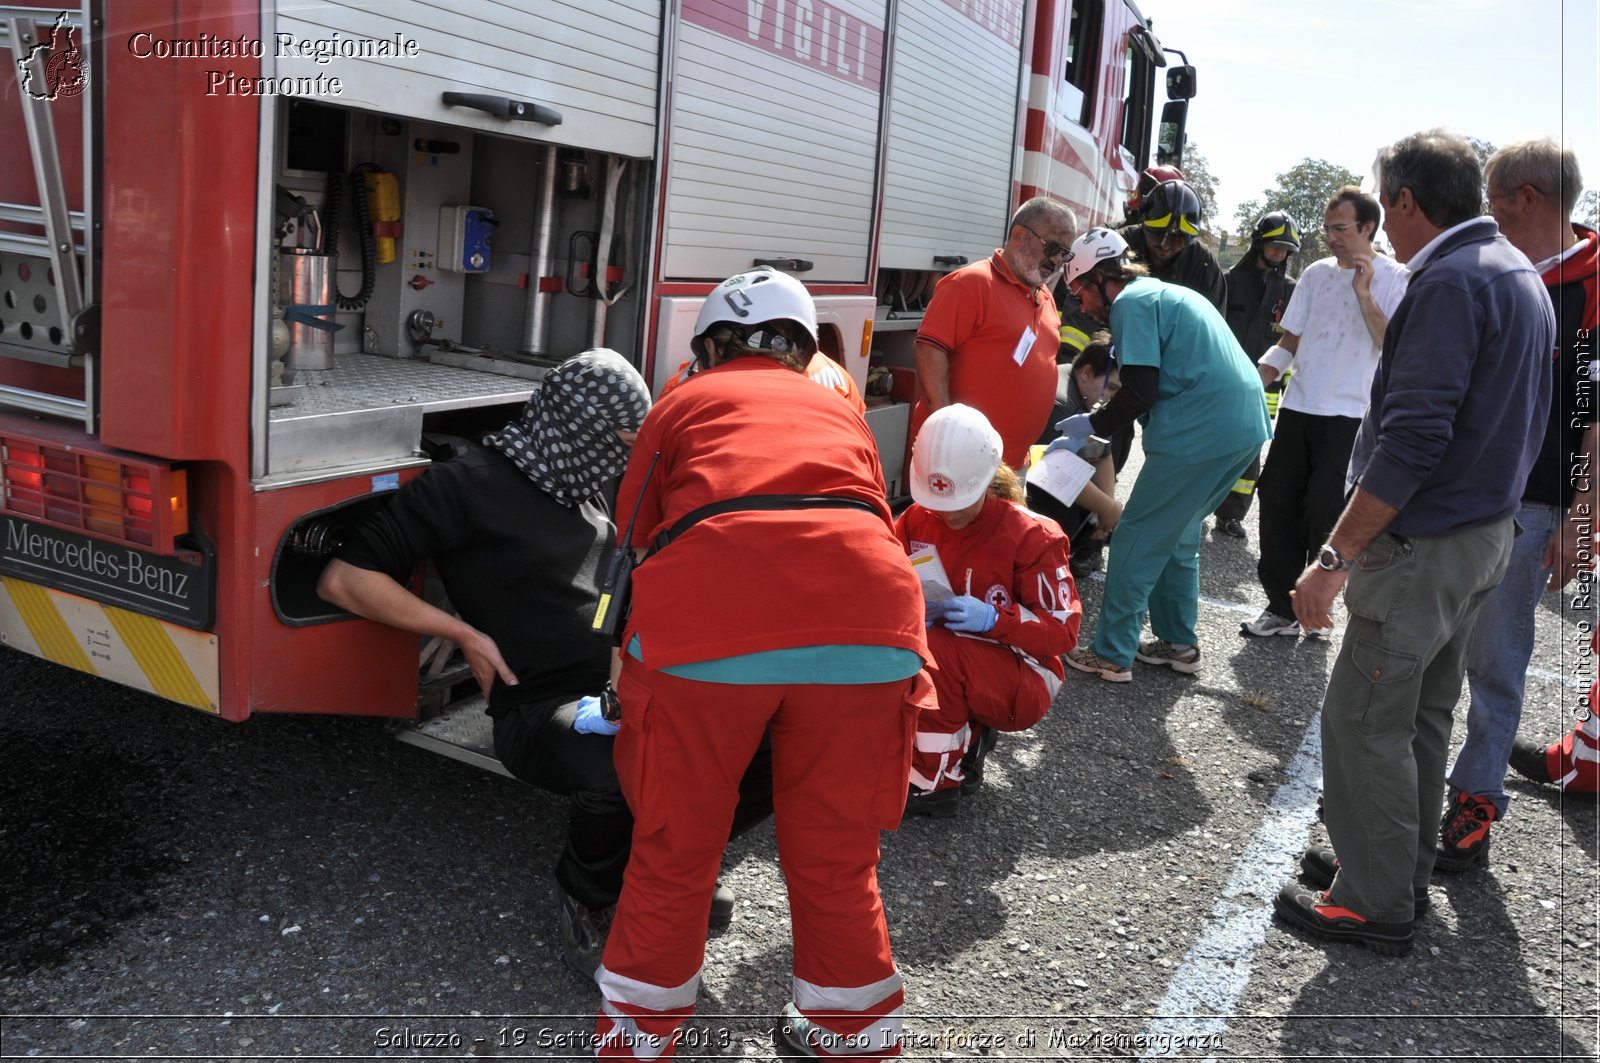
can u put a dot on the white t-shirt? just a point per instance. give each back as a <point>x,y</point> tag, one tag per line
<point>1333,367</point>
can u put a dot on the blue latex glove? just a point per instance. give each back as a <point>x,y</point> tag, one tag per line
<point>966,613</point>
<point>1075,427</point>
<point>1064,443</point>
<point>590,721</point>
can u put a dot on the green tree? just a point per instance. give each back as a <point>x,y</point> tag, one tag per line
<point>1197,171</point>
<point>1587,212</point>
<point>1484,150</point>
<point>1303,190</point>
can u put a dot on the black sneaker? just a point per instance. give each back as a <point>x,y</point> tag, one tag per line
<point>941,804</point>
<point>583,932</point>
<point>972,762</point>
<point>1232,528</point>
<point>1464,833</point>
<point>721,907</point>
<point>1318,865</point>
<point>1088,554</point>
<point>1529,760</point>
<point>1314,913</point>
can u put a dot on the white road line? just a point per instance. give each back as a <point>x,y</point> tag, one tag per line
<point>1204,991</point>
<point>1542,674</point>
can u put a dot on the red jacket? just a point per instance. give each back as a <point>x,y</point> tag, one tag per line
<point>1017,562</point>
<point>820,370</point>
<point>752,581</point>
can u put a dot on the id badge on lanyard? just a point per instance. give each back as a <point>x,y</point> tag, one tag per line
<point>1024,346</point>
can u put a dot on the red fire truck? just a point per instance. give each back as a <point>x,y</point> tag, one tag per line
<point>257,262</point>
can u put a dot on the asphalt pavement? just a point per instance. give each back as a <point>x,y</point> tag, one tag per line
<point>177,887</point>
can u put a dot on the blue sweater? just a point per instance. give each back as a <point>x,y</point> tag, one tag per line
<point>1462,390</point>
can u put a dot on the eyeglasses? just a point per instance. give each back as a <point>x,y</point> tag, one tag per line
<point>1506,193</point>
<point>1052,249</point>
<point>1339,227</point>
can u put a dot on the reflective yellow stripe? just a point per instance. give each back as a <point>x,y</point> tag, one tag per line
<point>138,651</point>
<point>158,658</point>
<point>1243,487</point>
<point>1184,224</point>
<point>1074,337</point>
<point>49,630</point>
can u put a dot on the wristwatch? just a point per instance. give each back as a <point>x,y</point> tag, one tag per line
<point>610,704</point>
<point>1331,560</point>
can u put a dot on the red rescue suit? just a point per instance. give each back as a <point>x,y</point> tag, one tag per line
<point>1005,679</point>
<point>820,370</point>
<point>1574,761</point>
<point>748,582</point>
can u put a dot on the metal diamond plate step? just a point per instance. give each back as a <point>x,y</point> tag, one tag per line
<point>464,732</point>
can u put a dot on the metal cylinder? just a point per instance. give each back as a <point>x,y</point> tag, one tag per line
<point>536,322</point>
<point>305,291</point>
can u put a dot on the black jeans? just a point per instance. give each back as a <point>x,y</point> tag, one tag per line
<point>536,743</point>
<point>1302,495</point>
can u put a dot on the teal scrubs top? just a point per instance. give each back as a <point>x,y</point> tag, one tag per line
<point>1209,401</point>
<point>824,665</point>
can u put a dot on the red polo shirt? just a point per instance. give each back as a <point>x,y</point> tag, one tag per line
<point>1001,338</point>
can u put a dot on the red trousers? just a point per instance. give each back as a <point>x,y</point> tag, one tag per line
<point>839,764</point>
<point>1574,762</point>
<point>976,682</point>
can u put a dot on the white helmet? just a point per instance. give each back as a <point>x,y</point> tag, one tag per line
<point>1091,249</point>
<point>954,458</point>
<point>754,298</point>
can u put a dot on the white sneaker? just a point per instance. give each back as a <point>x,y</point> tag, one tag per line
<point>1086,660</point>
<point>1319,632</point>
<point>1162,652</point>
<point>1270,623</point>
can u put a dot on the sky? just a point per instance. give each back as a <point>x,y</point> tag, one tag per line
<point>1282,81</point>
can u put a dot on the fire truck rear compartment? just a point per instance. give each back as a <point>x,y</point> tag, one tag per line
<point>420,271</point>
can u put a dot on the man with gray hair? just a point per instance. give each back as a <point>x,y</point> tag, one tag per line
<point>990,333</point>
<point>1533,186</point>
<point>1457,411</point>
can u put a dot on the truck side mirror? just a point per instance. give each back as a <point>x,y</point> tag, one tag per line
<point>1180,82</point>
<point>1169,135</point>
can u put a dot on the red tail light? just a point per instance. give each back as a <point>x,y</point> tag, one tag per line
<point>101,491</point>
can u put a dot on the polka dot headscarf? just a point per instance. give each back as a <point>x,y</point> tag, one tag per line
<point>565,440</point>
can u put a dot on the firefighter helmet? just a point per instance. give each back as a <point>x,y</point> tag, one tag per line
<point>1173,206</point>
<point>1276,227</point>
<point>1152,176</point>
<point>1092,248</point>
<point>954,458</point>
<point>749,300</point>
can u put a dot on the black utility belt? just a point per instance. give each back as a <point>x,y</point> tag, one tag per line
<point>616,582</point>
<point>757,502</point>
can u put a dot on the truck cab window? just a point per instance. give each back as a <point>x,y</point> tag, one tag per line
<point>1083,46</point>
<point>1138,107</point>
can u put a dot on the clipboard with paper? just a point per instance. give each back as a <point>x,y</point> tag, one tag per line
<point>930,571</point>
<point>1061,474</point>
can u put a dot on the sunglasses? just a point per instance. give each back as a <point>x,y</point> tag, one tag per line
<point>1052,250</point>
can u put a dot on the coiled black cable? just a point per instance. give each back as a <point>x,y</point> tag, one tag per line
<point>369,244</point>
